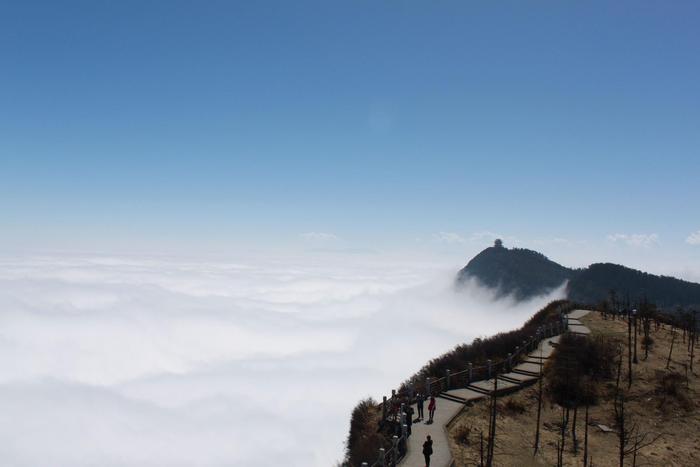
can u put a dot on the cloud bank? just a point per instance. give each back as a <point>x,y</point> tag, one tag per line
<point>257,362</point>
<point>694,238</point>
<point>635,240</point>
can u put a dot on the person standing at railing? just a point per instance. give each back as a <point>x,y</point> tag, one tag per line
<point>431,409</point>
<point>427,450</point>
<point>420,399</point>
<point>409,419</point>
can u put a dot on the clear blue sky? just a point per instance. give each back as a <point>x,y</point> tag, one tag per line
<point>379,122</point>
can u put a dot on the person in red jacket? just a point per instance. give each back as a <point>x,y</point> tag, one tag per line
<point>431,409</point>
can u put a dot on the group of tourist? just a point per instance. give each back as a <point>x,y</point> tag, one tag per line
<point>408,411</point>
<point>432,405</point>
<point>420,400</point>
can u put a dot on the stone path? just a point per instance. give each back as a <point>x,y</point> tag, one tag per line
<point>446,410</point>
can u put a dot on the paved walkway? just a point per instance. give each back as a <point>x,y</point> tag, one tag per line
<point>446,410</point>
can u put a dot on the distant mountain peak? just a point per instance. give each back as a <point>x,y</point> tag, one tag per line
<point>514,271</point>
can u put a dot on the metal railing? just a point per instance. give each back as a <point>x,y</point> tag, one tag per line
<point>393,407</point>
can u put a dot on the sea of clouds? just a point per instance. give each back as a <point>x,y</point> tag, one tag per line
<point>108,361</point>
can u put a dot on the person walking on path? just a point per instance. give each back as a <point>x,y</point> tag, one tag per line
<point>409,419</point>
<point>431,409</point>
<point>427,450</point>
<point>419,402</point>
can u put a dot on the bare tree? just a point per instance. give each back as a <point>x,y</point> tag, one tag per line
<point>693,328</point>
<point>539,409</point>
<point>670,351</point>
<point>585,440</point>
<point>634,324</point>
<point>629,348</point>
<point>630,437</point>
<point>492,424</point>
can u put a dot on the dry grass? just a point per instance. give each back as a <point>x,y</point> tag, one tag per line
<point>659,402</point>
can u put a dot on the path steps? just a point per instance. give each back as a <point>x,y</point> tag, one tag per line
<point>451,403</point>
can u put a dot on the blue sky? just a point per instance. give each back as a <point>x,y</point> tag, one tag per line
<point>138,125</point>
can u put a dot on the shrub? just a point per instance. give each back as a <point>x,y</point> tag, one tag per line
<point>672,385</point>
<point>462,435</point>
<point>494,347</point>
<point>364,439</point>
<point>577,364</point>
<point>512,407</point>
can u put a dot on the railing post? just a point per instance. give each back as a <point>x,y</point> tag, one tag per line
<point>382,457</point>
<point>383,407</point>
<point>427,386</point>
<point>488,366</point>
<point>510,362</point>
<point>447,379</point>
<point>470,368</point>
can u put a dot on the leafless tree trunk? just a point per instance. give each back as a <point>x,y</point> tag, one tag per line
<point>492,425</point>
<point>692,338</point>
<point>481,449</point>
<point>646,326</point>
<point>573,431</point>
<point>561,444</point>
<point>539,411</point>
<point>585,440</point>
<point>619,370</point>
<point>634,318</point>
<point>673,339</point>
<point>621,432</point>
<point>629,349</point>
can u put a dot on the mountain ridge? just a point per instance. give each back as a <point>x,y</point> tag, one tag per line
<point>525,273</point>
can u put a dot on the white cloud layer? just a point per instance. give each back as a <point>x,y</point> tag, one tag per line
<point>319,236</point>
<point>153,362</point>
<point>693,238</point>
<point>449,237</point>
<point>635,240</point>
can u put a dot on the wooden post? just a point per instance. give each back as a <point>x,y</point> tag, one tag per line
<point>488,365</point>
<point>427,386</point>
<point>447,379</point>
<point>470,369</point>
<point>383,407</point>
<point>382,457</point>
<point>510,362</point>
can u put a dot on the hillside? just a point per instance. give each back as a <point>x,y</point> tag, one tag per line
<point>526,273</point>
<point>660,410</point>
